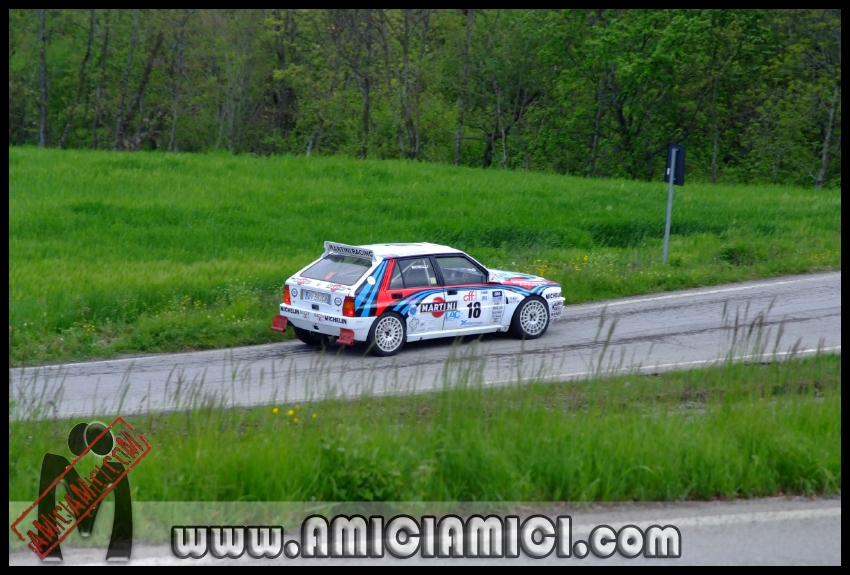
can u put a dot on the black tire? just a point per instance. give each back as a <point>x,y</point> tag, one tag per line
<point>530,315</point>
<point>387,335</point>
<point>311,338</point>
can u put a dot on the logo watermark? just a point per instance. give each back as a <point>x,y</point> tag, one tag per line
<point>116,449</point>
<point>404,536</point>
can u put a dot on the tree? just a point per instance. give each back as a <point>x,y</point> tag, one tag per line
<point>42,79</point>
<point>81,84</point>
<point>464,78</point>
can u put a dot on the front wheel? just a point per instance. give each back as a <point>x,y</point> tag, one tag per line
<point>531,318</point>
<point>310,337</point>
<point>387,335</point>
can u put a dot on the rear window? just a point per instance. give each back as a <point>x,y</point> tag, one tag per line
<point>345,270</point>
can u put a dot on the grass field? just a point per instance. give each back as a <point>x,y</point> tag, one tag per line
<point>114,253</point>
<point>724,432</point>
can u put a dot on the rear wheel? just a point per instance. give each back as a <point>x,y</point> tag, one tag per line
<point>310,337</point>
<point>531,318</point>
<point>387,335</point>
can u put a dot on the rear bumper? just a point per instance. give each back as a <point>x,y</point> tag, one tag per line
<point>348,329</point>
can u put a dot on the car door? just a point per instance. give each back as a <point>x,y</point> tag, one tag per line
<point>418,297</point>
<point>468,294</point>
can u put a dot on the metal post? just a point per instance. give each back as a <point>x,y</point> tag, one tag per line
<point>669,205</point>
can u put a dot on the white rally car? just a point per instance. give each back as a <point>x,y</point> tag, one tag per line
<point>389,294</point>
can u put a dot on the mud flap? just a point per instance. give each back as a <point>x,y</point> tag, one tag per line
<point>279,323</point>
<point>346,337</point>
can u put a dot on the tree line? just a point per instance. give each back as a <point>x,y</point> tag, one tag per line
<point>754,95</point>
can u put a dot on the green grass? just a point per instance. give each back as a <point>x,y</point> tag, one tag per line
<point>117,253</point>
<point>724,432</point>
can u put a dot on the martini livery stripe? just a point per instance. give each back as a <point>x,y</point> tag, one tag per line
<point>367,293</point>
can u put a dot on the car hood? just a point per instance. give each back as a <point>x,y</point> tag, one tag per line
<point>520,279</point>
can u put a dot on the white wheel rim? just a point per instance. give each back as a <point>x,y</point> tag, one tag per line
<point>388,333</point>
<point>532,317</point>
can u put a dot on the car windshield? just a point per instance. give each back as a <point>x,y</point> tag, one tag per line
<point>344,270</point>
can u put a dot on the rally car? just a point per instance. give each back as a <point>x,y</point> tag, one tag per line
<point>389,294</point>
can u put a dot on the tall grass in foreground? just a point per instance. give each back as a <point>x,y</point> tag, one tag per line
<point>723,432</point>
<point>113,253</point>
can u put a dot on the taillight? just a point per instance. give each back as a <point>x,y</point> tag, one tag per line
<point>286,299</point>
<point>348,307</point>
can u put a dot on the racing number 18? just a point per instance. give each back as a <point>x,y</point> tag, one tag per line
<point>474,309</point>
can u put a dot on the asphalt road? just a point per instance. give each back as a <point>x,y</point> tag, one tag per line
<point>755,321</point>
<point>772,531</point>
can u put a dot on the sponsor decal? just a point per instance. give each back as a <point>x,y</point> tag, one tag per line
<point>370,280</point>
<point>553,295</point>
<point>497,294</point>
<point>335,287</point>
<point>496,316</point>
<point>511,300</point>
<point>293,292</point>
<point>305,315</point>
<point>337,301</point>
<point>469,296</point>
<point>301,281</point>
<point>329,318</point>
<point>438,307</point>
<point>413,324</point>
<point>349,250</point>
<point>467,323</point>
<point>412,311</point>
<point>453,315</point>
<point>484,296</point>
<point>419,267</point>
<point>285,309</point>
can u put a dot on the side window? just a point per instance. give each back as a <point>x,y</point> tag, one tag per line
<point>396,281</point>
<point>417,273</point>
<point>457,270</point>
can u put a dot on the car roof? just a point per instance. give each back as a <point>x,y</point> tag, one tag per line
<point>412,249</point>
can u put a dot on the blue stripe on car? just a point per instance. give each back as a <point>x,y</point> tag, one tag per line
<point>413,299</point>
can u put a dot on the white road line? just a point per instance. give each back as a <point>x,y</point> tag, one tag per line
<point>163,356</point>
<point>719,520</point>
<point>668,366</point>
<point>691,293</point>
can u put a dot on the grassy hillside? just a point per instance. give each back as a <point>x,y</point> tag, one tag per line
<point>120,253</point>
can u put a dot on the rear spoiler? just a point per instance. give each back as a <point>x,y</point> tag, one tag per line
<point>346,250</point>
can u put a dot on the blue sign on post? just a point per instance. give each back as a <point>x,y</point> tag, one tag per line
<point>679,168</point>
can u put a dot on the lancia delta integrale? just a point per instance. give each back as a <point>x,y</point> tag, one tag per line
<point>389,294</point>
